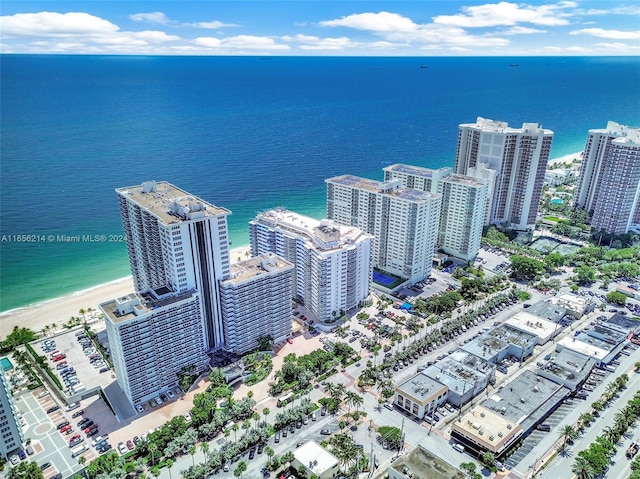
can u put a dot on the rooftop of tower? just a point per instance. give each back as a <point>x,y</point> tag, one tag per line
<point>416,170</point>
<point>485,124</point>
<point>464,180</point>
<point>255,267</point>
<point>392,188</point>
<point>169,203</point>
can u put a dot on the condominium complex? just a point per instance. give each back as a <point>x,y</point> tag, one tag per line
<point>256,302</point>
<point>609,185</point>
<point>178,250</point>
<point>152,339</point>
<point>177,243</point>
<point>464,200</point>
<point>11,437</point>
<point>332,262</point>
<point>518,156</point>
<point>462,211</point>
<point>404,221</point>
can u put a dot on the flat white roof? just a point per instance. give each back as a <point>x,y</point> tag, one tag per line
<point>533,324</point>
<point>582,347</point>
<point>315,457</point>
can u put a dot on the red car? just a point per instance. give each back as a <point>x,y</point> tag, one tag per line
<point>91,428</point>
<point>66,428</point>
<point>74,438</point>
<point>59,358</point>
<point>290,341</point>
<point>130,445</point>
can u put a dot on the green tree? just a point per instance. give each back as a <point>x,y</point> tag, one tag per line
<point>616,298</point>
<point>192,451</point>
<point>242,467</point>
<point>217,378</point>
<point>25,470</point>
<point>525,268</point>
<point>488,459</point>
<point>585,274</point>
<point>568,435</point>
<point>169,463</point>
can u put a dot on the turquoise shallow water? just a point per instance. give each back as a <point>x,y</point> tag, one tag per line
<point>247,134</point>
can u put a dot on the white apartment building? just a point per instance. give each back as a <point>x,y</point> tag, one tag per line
<point>609,183</point>
<point>152,338</point>
<point>464,200</point>
<point>177,243</point>
<point>462,211</point>
<point>519,158</point>
<point>256,302</point>
<point>11,437</point>
<point>332,262</point>
<point>403,221</point>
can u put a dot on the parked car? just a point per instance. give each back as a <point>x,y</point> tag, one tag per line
<point>325,432</point>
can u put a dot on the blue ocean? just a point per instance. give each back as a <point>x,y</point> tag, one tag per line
<point>248,134</point>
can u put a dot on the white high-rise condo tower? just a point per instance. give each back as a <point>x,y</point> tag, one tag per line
<point>256,302</point>
<point>179,251</point>
<point>462,211</point>
<point>518,156</point>
<point>11,432</point>
<point>332,262</point>
<point>403,221</point>
<point>609,185</point>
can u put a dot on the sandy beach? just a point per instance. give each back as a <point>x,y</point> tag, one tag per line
<point>58,311</point>
<point>567,158</point>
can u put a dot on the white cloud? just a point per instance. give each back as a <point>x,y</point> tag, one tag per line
<point>505,13</point>
<point>612,34</point>
<point>241,42</point>
<point>153,17</point>
<point>374,22</point>
<point>52,24</point>
<point>211,25</point>
<point>622,10</point>
<point>395,28</point>
<point>521,31</point>
<point>617,46</point>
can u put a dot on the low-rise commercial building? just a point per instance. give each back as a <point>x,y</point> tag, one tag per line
<point>465,375</point>
<point>502,342</point>
<point>569,368</point>
<point>574,305</point>
<point>599,342</point>
<point>510,413</point>
<point>420,395</point>
<point>547,310</point>
<point>543,329</point>
<point>317,461</point>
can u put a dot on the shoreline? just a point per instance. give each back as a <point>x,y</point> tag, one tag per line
<point>57,311</point>
<point>571,157</point>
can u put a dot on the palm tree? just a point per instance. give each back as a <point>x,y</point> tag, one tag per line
<point>256,417</point>
<point>204,447</point>
<point>153,447</point>
<point>235,431</point>
<point>192,451</point>
<point>582,468</point>
<point>265,413</point>
<point>287,457</point>
<point>269,452</point>
<point>568,434</point>
<point>169,463</point>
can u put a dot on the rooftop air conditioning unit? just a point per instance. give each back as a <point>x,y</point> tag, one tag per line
<point>509,426</point>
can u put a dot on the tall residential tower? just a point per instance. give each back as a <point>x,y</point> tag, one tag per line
<point>403,221</point>
<point>609,185</point>
<point>518,156</point>
<point>178,250</point>
<point>332,262</point>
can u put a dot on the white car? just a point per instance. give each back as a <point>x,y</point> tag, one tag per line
<point>139,408</point>
<point>122,449</point>
<point>187,417</point>
<point>170,394</point>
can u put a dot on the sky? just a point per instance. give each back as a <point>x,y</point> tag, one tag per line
<point>321,28</point>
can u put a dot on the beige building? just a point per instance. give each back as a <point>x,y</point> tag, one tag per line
<point>420,395</point>
<point>486,429</point>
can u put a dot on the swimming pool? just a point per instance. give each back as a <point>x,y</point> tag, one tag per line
<point>6,364</point>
